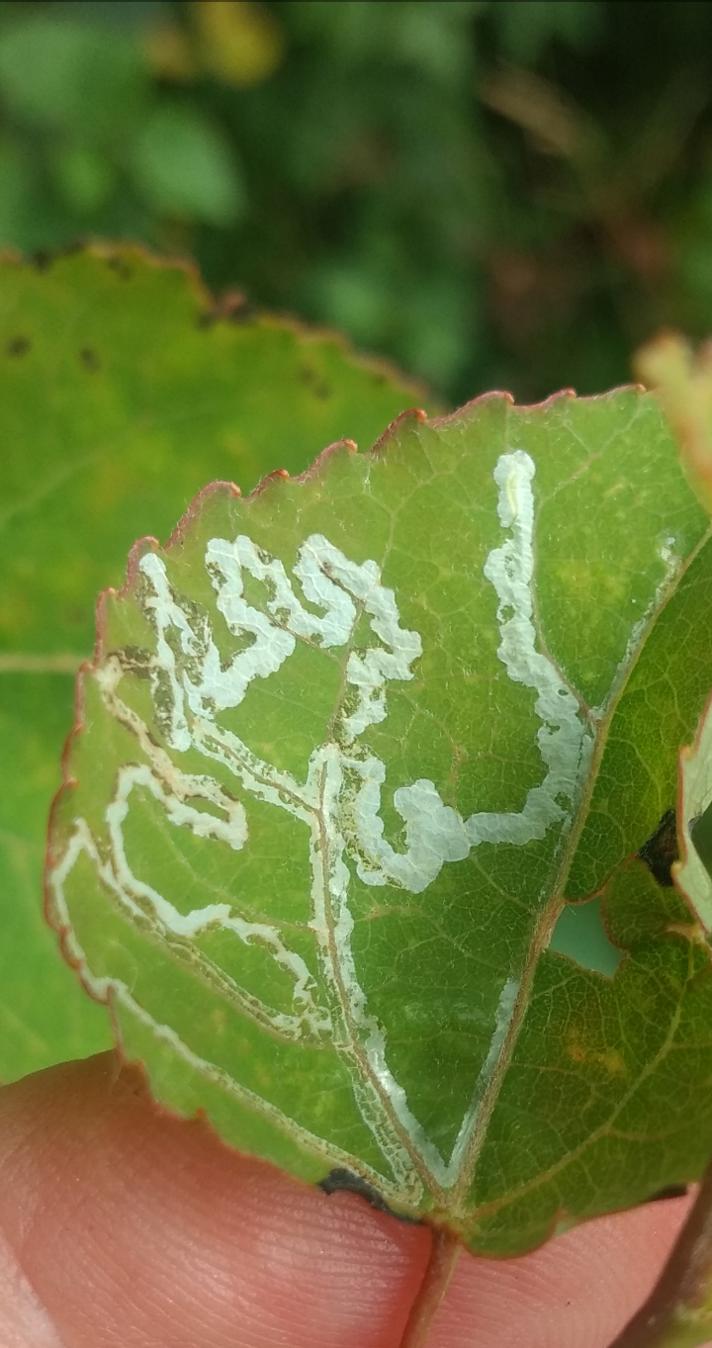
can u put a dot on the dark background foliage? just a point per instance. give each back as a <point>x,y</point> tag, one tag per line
<point>494,193</point>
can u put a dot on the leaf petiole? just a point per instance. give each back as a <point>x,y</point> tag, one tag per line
<point>444,1253</point>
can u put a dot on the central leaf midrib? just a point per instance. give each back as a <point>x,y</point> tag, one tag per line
<point>355,1051</point>
<point>454,1199</point>
<point>356,1054</point>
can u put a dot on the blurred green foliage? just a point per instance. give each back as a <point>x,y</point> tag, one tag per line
<point>494,192</point>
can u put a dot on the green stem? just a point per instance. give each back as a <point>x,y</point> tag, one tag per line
<point>678,1312</point>
<point>444,1254</point>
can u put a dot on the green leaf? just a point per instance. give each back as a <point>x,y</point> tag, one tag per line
<point>184,166</point>
<point>84,178</point>
<point>122,388</point>
<point>62,74</point>
<point>345,751</point>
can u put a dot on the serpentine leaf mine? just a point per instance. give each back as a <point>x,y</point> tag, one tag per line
<point>345,751</point>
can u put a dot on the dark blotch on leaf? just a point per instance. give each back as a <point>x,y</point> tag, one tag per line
<point>340,1181</point>
<point>660,851</point>
<point>43,258</point>
<point>18,346</point>
<point>89,359</point>
<point>120,266</point>
<point>314,381</point>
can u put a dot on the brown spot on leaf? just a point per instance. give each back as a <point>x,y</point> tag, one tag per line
<point>232,307</point>
<point>608,1058</point>
<point>611,1060</point>
<point>575,1049</point>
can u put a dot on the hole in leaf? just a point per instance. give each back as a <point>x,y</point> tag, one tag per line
<point>701,835</point>
<point>580,934</point>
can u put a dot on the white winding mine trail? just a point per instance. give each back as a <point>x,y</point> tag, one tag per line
<point>339,802</point>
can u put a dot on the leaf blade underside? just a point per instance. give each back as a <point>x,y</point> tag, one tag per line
<point>344,749</point>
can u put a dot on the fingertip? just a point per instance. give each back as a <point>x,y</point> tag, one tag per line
<point>579,1289</point>
<point>132,1226</point>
